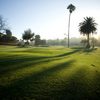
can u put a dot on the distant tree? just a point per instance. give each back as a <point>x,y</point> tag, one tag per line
<point>5,33</point>
<point>87,27</point>
<point>1,34</point>
<point>14,39</point>
<point>43,42</point>
<point>71,9</point>
<point>21,43</point>
<point>27,35</point>
<point>84,42</point>
<point>63,42</point>
<point>98,43</point>
<point>3,24</point>
<point>7,38</point>
<point>37,40</point>
<point>4,38</point>
<point>94,41</point>
<point>8,33</point>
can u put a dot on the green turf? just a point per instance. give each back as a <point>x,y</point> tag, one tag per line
<point>49,73</point>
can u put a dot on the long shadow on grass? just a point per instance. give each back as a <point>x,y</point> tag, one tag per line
<point>96,87</point>
<point>17,63</point>
<point>77,87</point>
<point>14,63</point>
<point>87,51</point>
<point>33,86</point>
<point>29,62</point>
<point>68,53</point>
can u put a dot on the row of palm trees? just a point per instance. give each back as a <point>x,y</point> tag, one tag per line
<point>86,27</point>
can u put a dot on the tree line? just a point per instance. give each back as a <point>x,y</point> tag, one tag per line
<point>6,36</point>
<point>86,27</point>
<point>73,42</point>
<point>29,38</point>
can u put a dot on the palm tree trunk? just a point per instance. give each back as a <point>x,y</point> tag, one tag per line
<point>88,44</point>
<point>69,28</point>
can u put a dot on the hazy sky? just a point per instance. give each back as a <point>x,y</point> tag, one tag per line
<point>49,18</point>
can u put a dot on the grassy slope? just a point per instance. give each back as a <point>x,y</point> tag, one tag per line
<point>53,73</point>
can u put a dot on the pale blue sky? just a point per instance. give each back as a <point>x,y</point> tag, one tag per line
<point>49,18</point>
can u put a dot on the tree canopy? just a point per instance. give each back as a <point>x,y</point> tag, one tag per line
<point>87,27</point>
<point>3,24</point>
<point>71,9</point>
<point>27,35</point>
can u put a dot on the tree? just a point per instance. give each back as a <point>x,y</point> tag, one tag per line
<point>37,40</point>
<point>84,41</point>
<point>7,38</point>
<point>93,42</point>
<point>2,24</point>
<point>8,33</point>
<point>87,27</point>
<point>43,42</point>
<point>71,9</point>
<point>1,34</point>
<point>14,39</point>
<point>27,35</point>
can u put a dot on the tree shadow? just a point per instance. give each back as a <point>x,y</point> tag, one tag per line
<point>89,50</point>
<point>76,47</point>
<point>14,63</point>
<point>96,85</point>
<point>34,86</point>
<point>74,88</point>
<point>68,53</point>
<point>79,88</point>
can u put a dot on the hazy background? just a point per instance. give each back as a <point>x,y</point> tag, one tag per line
<point>48,18</point>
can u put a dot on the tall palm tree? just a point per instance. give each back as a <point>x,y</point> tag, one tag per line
<point>87,27</point>
<point>71,9</point>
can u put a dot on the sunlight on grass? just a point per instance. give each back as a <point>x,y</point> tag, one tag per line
<point>31,69</point>
<point>53,72</point>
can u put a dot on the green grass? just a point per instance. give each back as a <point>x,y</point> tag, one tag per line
<point>49,73</point>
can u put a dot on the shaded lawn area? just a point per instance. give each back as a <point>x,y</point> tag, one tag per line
<point>52,73</point>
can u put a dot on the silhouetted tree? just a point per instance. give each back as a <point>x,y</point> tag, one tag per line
<point>71,9</point>
<point>5,33</point>
<point>87,27</point>
<point>13,39</point>
<point>27,35</point>
<point>4,38</point>
<point>37,40</point>
<point>7,38</point>
<point>2,24</point>
<point>8,33</point>
<point>1,34</point>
